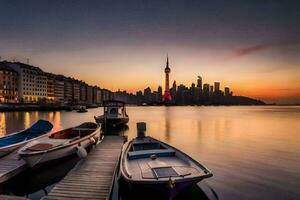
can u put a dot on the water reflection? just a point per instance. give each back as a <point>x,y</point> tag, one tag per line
<point>167,129</point>
<point>27,120</point>
<point>254,152</point>
<point>201,191</point>
<point>37,183</point>
<point>2,125</point>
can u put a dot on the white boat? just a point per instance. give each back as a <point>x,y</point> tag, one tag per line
<point>13,141</point>
<point>60,144</point>
<point>114,114</point>
<point>155,165</point>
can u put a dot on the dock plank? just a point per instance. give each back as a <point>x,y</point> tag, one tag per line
<point>93,177</point>
<point>9,197</point>
<point>11,166</point>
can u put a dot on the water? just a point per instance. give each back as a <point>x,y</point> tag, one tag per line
<point>254,152</point>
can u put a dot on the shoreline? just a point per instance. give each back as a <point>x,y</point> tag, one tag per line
<point>34,107</point>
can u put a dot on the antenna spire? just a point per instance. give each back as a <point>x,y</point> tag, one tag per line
<point>167,60</point>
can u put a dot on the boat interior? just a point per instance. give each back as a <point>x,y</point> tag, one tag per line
<point>77,132</point>
<point>142,149</point>
<point>149,159</point>
<point>64,137</point>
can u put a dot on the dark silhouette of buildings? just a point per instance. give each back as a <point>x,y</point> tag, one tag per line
<point>200,94</point>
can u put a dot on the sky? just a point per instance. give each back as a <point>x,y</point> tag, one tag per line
<point>251,46</point>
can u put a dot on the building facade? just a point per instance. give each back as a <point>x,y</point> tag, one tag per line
<point>8,84</point>
<point>89,95</point>
<point>75,91</point>
<point>68,91</point>
<point>50,87</point>
<point>83,93</point>
<point>59,90</point>
<point>32,84</point>
<point>97,95</point>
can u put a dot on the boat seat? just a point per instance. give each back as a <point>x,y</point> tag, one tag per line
<point>40,147</point>
<point>147,153</point>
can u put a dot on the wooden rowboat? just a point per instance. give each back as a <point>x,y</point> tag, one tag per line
<point>61,144</point>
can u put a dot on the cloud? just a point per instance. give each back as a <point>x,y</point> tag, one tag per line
<point>263,46</point>
<point>249,50</point>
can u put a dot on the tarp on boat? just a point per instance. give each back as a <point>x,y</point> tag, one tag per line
<point>37,129</point>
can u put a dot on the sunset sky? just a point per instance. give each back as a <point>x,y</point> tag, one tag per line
<point>251,46</point>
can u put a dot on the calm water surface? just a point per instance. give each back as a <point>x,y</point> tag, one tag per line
<point>254,152</point>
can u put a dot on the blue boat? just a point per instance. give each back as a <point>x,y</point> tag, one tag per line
<point>12,142</point>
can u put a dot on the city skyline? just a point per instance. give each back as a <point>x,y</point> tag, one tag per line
<point>250,46</point>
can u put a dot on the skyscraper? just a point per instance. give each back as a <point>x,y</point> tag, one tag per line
<point>199,82</point>
<point>159,94</point>
<point>217,87</point>
<point>167,96</point>
<point>206,90</point>
<point>147,95</point>
<point>227,91</point>
<point>211,90</point>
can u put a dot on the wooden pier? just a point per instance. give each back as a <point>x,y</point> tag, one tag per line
<point>9,197</point>
<point>93,177</point>
<point>11,166</point>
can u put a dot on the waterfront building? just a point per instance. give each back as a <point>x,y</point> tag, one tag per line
<point>68,91</point>
<point>75,91</point>
<point>227,91</point>
<point>8,84</point>
<point>83,93</point>
<point>199,82</point>
<point>217,87</point>
<point>182,93</point>
<point>140,97</point>
<point>147,95</point>
<point>206,90</point>
<point>211,90</point>
<point>32,84</point>
<point>106,95</point>
<point>198,95</point>
<point>50,89</point>
<point>173,92</point>
<point>96,95</point>
<point>159,94</point>
<point>121,95</point>
<point>193,94</point>
<point>89,95</point>
<point>59,90</point>
<point>167,96</point>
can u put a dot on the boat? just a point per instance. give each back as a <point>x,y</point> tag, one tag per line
<point>61,144</point>
<point>12,142</point>
<point>82,109</point>
<point>158,167</point>
<point>114,114</point>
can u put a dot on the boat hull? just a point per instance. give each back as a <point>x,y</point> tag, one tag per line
<point>167,185</point>
<point>163,189</point>
<point>38,160</point>
<point>112,121</point>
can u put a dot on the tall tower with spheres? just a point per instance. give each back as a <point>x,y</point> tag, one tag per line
<point>166,98</point>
